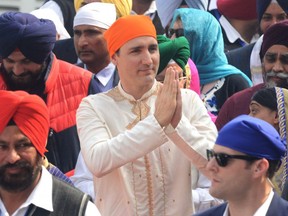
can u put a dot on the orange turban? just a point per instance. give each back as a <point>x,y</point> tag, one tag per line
<point>127,28</point>
<point>30,114</point>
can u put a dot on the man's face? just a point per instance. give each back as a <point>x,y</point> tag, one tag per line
<point>90,44</point>
<point>234,180</point>
<point>20,72</point>
<point>20,164</point>
<point>275,66</point>
<point>273,14</point>
<point>137,62</point>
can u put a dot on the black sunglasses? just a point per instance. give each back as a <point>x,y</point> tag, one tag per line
<point>178,32</point>
<point>222,159</point>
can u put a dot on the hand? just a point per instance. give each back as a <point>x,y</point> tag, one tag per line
<point>178,111</point>
<point>166,101</point>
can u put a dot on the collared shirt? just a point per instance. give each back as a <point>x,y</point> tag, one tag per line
<point>262,210</point>
<point>41,197</point>
<point>104,76</point>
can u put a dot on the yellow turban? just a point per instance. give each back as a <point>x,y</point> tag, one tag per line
<point>127,28</point>
<point>123,7</point>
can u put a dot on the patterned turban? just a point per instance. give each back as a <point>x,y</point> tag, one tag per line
<point>176,49</point>
<point>34,37</point>
<point>30,114</point>
<point>252,136</point>
<point>238,9</point>
<point>276,34</point>
<point>127,28</point>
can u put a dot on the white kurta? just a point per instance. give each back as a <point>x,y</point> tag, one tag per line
<point>139,168</point>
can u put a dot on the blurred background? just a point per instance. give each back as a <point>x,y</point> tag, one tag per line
<point>19,5</point>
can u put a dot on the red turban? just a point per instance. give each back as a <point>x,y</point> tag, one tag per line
<point>127,28</point>
<point>238,9</point>
<point>30,114</point>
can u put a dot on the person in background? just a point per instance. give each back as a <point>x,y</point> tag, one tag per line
<point>274,70</point>
<point>246,156</point>
<point>65,49</point>
<point>135,160</point>
<point>218,79</point>
<point>26,44</point>
<point>64,10</point>
<point>270,105</point>
<point>238,20</point>
<point>247,58</point>
<point>26,187</point>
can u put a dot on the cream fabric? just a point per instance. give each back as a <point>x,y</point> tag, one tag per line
<point>139,168</point>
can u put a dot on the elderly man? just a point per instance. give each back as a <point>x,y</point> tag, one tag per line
<point>28,64</point>
<point>141,152</point>
<point>274,68</point>
<point>26,187</point>
<point>247,153</point>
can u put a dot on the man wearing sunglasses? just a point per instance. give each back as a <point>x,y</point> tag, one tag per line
<point>247,154</point>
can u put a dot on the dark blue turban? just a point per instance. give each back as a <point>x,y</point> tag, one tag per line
<point>262,6</point>
<point>252,136</point>
<point>34,37</point>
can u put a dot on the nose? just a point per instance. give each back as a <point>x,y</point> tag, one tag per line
<point>18,69</point>
<point>212,165</point>
<point>82,40</point>
<point>147,59</point>
<point>278,67</point>
<point>12,156</point>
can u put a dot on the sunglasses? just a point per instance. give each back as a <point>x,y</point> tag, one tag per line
<point>222,159</point>
<point>178,32</point>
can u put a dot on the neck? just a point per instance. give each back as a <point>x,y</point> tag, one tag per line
<point>136,91</point>
<point>250,202</point>
<point>13,200</point>
<point>140,7</point>
<point>246,28</point>
<point>97,66</point>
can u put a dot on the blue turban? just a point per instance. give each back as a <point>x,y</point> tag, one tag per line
<point>262,6</point>
<point>253,137</point>
<point>34,37</point>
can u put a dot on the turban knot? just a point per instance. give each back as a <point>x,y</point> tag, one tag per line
<point>30,114</point>
<point>252,136</point>
<point>276,34</point>
<point>127,28</point>
<point>34,37</point>
<point>177,49</point>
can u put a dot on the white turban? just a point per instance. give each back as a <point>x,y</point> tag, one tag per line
<point>47,13</point>
<point>99,14</point>
<point>166,8</point>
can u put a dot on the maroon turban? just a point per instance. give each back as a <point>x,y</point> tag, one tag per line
<point>30,114</point>
<point>277,34</point>
<point>238,9</point>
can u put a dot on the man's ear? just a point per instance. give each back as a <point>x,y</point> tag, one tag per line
<point>261,167</point>
<point>276,119</point>
<point>114,59</point>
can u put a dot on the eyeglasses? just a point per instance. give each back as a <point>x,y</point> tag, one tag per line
<point>222,159</point>
<point>178,32</point>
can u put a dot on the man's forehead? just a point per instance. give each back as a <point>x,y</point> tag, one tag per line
<point>89,27</point>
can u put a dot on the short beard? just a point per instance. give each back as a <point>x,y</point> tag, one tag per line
<point>271,83</point>
<point>15,183</point>
<point>15,83</point>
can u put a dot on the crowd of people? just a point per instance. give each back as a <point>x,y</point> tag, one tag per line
<point>144,108</point>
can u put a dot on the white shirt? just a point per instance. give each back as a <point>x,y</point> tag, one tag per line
<point>139,168</point>
<point>41,197</point>
<point>262,210</point>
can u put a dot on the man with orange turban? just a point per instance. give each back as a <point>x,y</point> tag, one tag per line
<point>24,182</point>
<point>143,141</point>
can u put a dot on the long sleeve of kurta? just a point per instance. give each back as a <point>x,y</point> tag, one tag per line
<point>128,152</point>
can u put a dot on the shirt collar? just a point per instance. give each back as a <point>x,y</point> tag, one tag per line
<point>105,74</point>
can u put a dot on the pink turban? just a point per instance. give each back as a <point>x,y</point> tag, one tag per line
<point>30,114</point>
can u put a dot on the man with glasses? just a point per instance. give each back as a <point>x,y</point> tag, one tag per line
<point>247,154</point>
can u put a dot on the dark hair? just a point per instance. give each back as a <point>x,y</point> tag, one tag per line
<point>274,166</point>
<point>266,97</point>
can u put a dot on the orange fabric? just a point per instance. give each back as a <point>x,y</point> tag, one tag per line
<point>127,28</point>
<point>30,114</point>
